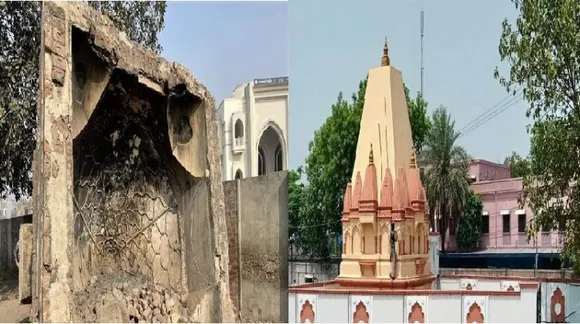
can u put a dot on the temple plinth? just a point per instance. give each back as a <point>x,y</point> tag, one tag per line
<point>387,195</point>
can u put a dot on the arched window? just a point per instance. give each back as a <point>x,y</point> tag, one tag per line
<point>239,174</point>
<point>239,129</point>
<point>238,133</point>
<point>261,162</point>
<point>279,159</point>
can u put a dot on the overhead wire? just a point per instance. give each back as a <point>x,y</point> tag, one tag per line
<point>491,113</point>
<point>489,110</point>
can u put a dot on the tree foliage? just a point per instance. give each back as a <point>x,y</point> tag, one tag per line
<point>542,50</point>
<point>329,167</point>
<point>519,166</point>
<point>446,176</point>
<point>295,194</point>
<point>141,20</point>
<point>469,231</point>
<point>420,122</point>
<point>19,54</point>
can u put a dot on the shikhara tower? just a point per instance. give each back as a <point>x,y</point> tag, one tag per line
<point>386,189</point>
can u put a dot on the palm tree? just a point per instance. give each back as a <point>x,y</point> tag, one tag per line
<point>446,171</point>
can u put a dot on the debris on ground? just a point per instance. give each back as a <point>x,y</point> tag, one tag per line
<point>127,299</point>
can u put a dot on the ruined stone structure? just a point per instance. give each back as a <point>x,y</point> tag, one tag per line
<point>391,196</point>
<point>127,181</point>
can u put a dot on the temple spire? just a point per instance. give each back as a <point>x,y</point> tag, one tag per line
<point>385,61</point>
<point>371,156</point>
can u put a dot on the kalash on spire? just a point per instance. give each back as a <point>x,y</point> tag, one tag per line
<point>385,217</point>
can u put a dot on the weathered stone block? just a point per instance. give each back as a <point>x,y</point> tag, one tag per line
<point>25,266</point>
<point>58,69</point>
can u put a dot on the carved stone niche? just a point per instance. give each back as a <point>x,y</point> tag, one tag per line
<point>368,269</point>
<point>557,306</point>
<point>361,309</point>
<point>474,309</point>
<point>510,285</point>
<point>139,169</point>
<point>468,284</point>
<point>132,170</point>
<point>416,309</point>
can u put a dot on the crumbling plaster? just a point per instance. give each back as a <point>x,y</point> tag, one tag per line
<point>61,121</point>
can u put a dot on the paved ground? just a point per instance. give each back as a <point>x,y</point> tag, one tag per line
<point>11,310</point>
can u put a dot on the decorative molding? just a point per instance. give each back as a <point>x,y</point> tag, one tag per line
<point>416,309</point>
<point>510,285</point>
<point>504,212</point>
<point>557,295</point>
<point>306,310</point>
<point>360,309</point>
<point>474,309</point>
<point>383,224</point>
<point>520,212</point>
<point>468,284</point>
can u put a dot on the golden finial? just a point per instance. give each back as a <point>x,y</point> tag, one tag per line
<point>413,158</point>
<point>371,156</point>
<point>385,61</point>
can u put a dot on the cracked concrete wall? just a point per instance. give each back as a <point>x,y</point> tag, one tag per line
<point>127,170</point>
<point>9,229</point>
<point>262,207</point>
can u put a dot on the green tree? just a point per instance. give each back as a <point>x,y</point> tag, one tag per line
<point>19,53</point>
<point>329,168</point>
<point>295,200</point>
<point>519,166</point>
<point>420,122</point>
<point>469,231</point>
<point>542,50</point>
<point>446,175</point>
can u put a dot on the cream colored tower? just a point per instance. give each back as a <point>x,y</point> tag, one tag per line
<point>387,189</point>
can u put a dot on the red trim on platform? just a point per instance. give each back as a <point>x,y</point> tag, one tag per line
<point>529,285</point>
<point>516,278</point>
<point>399,292</point>
<point>385,283</point>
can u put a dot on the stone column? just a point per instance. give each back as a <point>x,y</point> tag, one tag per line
<point>54,181</point>
<point>24,278</point>
<point>225,312</point>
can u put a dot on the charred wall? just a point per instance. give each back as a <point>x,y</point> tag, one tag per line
<point>127,179</point>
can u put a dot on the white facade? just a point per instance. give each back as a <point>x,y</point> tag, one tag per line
<point>499,300</point>
<point>253,129</point>
<point>399,307</point>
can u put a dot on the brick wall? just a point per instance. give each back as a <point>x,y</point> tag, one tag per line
<point>231,211</point>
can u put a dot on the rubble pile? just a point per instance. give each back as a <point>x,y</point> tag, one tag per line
<point>128,299</point>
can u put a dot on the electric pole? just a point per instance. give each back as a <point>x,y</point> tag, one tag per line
<point>422,36</point>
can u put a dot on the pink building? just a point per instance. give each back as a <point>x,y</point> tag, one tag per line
<point>503,222</point>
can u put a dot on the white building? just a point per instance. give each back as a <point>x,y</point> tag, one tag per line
<point>252,126</point>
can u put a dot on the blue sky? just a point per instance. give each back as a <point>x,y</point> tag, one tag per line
<point>327,46</point>
<point>227,43</point>
<point>333,43</point>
